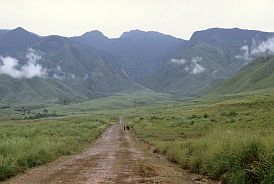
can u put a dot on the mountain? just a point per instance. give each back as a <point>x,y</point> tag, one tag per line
<point>92,72</point>
<point>224,37</point>
<point>93,65</point>
<point>16,39</point>
<point>3,31</point>
<point>35,90</point>
<point>138,52</point>
<point>208,58</point>
<point>259,74</point>
<point>94,38</point>
<point>85,71</point>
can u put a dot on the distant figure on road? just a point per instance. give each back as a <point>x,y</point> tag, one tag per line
<point>126,127</point>
<point>123,123</point>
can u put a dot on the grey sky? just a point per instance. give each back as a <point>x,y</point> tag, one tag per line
<point>179,18</point>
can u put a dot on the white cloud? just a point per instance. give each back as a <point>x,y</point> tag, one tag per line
<point>72,76</point>
<point>265,47</point>
<point>10,66</point>
<point>59,69</point>
<point>192,66</point>
<point>56,76</point>
<point>197,68</point>
<point>196,59</point>
<point>58,73</point>
<point>186,68</point>
<point>178,61</point>
<point>246,51</point>
<point>245,55</point>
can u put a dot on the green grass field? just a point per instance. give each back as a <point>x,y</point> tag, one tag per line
<point>229,139</point>
<point>31,136</point>
<point>25,144</point>
<point>118,101</point>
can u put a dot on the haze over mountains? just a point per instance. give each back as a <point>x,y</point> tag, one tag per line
<point>257,75</point>
<point>57,69</point>
<point>139,52</point>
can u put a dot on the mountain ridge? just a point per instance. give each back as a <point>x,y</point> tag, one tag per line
<point>220,53</point>
<point>139,51</point>
<point>17,39</point>
<point>257,75</point>
<point>94,65</point>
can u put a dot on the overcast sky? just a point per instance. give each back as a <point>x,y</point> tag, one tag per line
<point>179,18</point>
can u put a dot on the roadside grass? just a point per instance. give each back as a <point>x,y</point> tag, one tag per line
<point>26,144</point>
<point>145,169</point>
<point>63,130</point>
<point>230,139</point>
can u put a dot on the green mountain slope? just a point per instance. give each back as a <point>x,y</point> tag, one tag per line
<point>87,70</point>
<point>73,70</point>
<point>207,59</point>
<point>257,75</point>
<point>93,65</point>
<point>194,75</point>
<point>35,90</point>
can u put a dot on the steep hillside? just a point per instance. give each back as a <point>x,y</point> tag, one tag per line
<point>208,58</point>
<point>16,39</point>
<point>191,76</point>
<point>139,53</point>
<point>35,90</point>
<point>224,37</point>
<point>3,31</point>
<point>85,71</point>
<point>259,74</point>
<point>96,66</point>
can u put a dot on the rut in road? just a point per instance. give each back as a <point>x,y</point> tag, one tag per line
<point>114,158</point>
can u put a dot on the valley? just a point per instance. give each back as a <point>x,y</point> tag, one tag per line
<point>201,109</point>
<point>90,66</point>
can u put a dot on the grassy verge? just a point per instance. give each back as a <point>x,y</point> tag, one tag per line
<point>59,129</point>
<point>230,139</point>
<point>25,144</point>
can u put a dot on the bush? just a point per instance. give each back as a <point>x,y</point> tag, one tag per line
<point>205,115</point>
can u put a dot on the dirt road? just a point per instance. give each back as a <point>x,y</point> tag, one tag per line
<point>114,158</point>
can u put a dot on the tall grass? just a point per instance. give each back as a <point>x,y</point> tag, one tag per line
<point>230,140</point>
<point>234,156</point>
<point>26,144</point>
